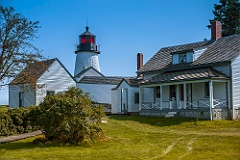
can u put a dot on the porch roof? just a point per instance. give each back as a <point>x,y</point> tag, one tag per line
<point>193,74</point>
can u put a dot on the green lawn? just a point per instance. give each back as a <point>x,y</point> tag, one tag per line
<point>135,137</point>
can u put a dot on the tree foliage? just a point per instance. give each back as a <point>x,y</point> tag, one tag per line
<point>69,117</point>
<point>228,13</point>
<point>16,48</point>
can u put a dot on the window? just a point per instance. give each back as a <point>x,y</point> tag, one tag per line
<point>172,92</point>
<point>92,40</point>
<point>83,40</point>
<point>158,92</point>
<point>50,92</point>
<point>182,58</point>
<point>136,98</point>
<point>206,90</point>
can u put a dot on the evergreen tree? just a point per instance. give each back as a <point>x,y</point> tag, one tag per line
<point>228,13</point>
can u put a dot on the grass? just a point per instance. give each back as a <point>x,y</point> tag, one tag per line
<point>135,137</point>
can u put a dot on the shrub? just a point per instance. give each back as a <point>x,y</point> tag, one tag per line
<point>15,121</point>
<point>69,117</point>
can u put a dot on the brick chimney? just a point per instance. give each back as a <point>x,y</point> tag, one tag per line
<point>139,62</point>
<point>216,30</point>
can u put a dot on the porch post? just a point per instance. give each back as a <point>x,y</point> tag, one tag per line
<point>229,95</point>
<point>185,95</point>
<point>211,98</point>
<point>140,98</point>
<point>161,97</point>
<point>177,97</point>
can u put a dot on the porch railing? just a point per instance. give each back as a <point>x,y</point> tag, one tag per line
<point>195,104</point>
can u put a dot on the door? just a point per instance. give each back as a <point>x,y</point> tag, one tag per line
<point>189,95</point>
<point>21,99</point>
<point>124,100</point>
<point>172,96</point>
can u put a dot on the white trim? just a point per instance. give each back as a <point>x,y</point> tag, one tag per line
<point>185,94</point>
<point>211,98</point>
<point>161,98</point>
<point>175,83</point>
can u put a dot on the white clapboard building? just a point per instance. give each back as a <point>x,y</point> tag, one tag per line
<point>50,77</point>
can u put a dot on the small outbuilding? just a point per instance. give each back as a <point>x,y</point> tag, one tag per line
<point>43,78</point>
<point>125,96</point>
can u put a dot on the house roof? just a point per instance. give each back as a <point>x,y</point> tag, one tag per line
<point>222,50</point>
<point>87,69</point>
<point>131,81</point>
<point>193,74</point>
<point>101,80</point>
<point>32,72</point>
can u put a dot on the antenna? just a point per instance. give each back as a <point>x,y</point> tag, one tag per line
<point>87,21</point>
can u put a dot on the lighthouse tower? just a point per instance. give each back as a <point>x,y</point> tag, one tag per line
<point>87,53</point>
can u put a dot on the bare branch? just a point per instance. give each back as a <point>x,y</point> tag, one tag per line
<point>16,49</point>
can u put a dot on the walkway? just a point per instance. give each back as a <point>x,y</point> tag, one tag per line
<point>19,137</point>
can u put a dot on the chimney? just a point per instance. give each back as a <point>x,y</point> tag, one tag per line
<point>139,62</point>
<point>216,30</point>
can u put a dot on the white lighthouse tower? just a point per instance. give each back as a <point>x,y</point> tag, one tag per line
<point>87,53</point>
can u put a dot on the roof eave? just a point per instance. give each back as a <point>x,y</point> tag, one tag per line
<point>185,68</point>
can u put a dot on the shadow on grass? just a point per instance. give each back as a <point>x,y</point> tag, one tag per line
<point>28,144</point>
<point>156,121</point>
<point>19,145</point>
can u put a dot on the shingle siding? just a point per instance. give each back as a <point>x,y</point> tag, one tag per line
<point>236,84</point>
<point>224,69</point>
<point>198,53</point>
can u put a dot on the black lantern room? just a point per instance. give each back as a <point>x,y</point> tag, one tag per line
<point>87,42</point>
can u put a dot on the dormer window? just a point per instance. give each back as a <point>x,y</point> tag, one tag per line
<point>182,58</point>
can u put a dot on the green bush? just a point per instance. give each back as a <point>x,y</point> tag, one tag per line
<point>69,117</point>
<point>15,121</point>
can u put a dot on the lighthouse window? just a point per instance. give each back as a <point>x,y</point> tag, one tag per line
<point>92,40</point>
<point>83,40</point>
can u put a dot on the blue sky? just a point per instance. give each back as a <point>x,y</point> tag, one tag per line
<point>122,27</point>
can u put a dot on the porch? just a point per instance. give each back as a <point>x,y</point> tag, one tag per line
<point>201,113</point>
<point>207,99</point>
<point>195,104</point>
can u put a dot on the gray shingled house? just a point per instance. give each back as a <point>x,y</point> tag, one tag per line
<point>197,79</point>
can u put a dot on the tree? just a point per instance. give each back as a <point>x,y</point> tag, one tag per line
<point>228,13</point>
<point>69,117</point>
<point>16,48</point>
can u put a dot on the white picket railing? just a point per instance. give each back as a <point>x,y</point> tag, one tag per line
<point>195,104</point>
